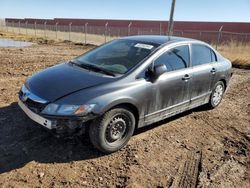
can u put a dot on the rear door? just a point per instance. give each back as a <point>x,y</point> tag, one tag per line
<point>203,71</point>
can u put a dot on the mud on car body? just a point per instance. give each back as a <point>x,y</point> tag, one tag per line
<point>124,85</point>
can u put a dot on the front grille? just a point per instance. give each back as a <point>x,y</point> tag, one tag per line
<point>32,105</point>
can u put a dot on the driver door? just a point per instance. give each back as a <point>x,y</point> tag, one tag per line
<point>170,91</point>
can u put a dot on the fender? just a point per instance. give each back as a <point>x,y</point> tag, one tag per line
<point>102,108</point>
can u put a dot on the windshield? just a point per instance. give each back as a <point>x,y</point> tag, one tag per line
<point>118,56</point>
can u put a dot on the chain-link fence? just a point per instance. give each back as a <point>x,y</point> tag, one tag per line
<point>100,34</point>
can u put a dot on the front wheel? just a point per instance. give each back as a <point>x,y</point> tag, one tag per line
<point>217,94</point>
<point>113,130</point>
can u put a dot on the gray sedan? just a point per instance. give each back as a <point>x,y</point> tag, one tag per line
<point>124,85</point>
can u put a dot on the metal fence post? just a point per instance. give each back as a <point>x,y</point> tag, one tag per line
<point>56,29</point>
<point>109,35</point>
<point>35,29</point>
<point>119,32</point>
<point>26,25</point>
<point>70,30</point>
<point>129,26</point>
<point>45,29</point>
<point>19,25</point>
<point>86,30</point>
<point>106,28</point>
<point>160,28</point>
<point>13,27</point>
<point>219,36</point>
<point>83,31</point>
<point>246,38</point>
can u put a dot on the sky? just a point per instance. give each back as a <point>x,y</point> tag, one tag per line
<point>186,10</point>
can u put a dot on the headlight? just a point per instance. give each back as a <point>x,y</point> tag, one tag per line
<point>24,89</point>
<point>56,109</point>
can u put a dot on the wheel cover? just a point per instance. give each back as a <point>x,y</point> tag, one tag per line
<point>217,95</point>
<point>117,128</point>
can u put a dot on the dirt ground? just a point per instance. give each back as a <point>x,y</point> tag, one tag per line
<point>199,148</point>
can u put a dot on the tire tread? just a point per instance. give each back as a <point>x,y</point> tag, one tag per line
<point>96,128</point>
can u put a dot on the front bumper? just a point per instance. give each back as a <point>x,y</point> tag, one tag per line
<point>61,124</point>
<point>37,118</point>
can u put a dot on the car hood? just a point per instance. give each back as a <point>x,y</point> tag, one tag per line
<point>63,79</point>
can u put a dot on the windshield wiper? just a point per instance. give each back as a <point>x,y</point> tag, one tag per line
<point>92,67</point>
<point>96,68</point>
<point>74,63</point>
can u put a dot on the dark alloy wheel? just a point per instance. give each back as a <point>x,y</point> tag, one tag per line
<point>113,130</point>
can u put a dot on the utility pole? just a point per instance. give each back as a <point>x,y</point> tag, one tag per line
<point>171,19</point>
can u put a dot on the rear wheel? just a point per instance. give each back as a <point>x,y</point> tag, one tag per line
<point>113,130</point>
<point>217,94</point>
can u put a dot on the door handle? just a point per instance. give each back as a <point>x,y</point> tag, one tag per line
<point>186,77</point>
<point>213,70</point>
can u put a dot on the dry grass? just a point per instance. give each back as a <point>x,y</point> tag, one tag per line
<point>22,37</point>
<point>238,53</point>
<point>58,36</point>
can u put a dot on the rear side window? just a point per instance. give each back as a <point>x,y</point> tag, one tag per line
<point>175,58</point>
<point>201,55</point>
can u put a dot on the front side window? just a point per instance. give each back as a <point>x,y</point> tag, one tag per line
<point>118,56</point>
<point>175,58</point>
<point>201,55</point>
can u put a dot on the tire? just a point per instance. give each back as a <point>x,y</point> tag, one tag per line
<point>112,131</point>
<point>216,95</point>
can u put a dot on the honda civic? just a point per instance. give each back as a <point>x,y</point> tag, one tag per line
<point>123,85</point>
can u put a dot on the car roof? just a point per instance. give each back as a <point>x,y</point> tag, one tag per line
<point>158,39</point>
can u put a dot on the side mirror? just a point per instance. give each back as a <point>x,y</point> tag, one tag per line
<point>158,70</point>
